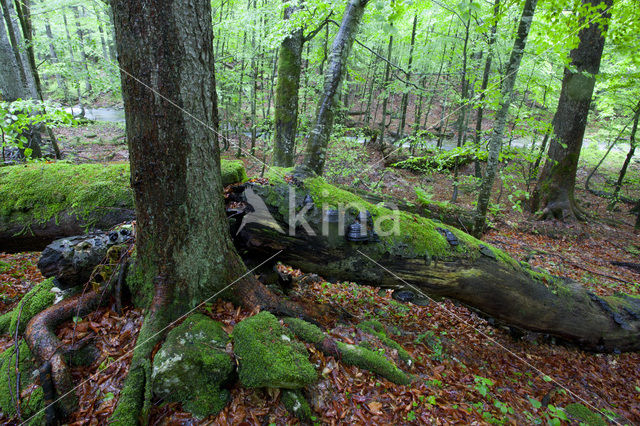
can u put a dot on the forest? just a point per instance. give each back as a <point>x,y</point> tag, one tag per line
<point>311,212</point>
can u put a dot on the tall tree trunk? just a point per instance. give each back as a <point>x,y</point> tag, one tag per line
<point>286,111</point>
<point>83,53</point>
<point>485,81</point>
<point>627,160</point>
<point>184,252</point>
<point>385,94</point>
<point>316,153</point>
<point>103,43</point>
<point>62,84</point>
<point>19,49</point>
<point>23,11</point>
<point>501,117</point>
<point>554,192</point>
<point>405,95</point>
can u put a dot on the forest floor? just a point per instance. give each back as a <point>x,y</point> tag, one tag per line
<point>469,370</point>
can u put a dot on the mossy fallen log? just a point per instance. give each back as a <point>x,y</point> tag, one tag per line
<point>410,251</point>
<point>41,202</point>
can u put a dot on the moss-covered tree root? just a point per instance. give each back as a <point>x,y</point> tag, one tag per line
<point>349,354</point>
<point>46,347</point>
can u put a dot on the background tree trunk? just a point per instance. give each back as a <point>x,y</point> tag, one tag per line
<point>316,153</point>
<point>286,111</point>
<point>501,116</point>
<point>554,192</point>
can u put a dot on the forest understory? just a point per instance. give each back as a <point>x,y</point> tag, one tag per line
<point>470,370</point>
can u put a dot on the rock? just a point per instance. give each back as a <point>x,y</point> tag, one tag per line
<point>191,366</point>
<point>403,296</point>
<point>269,356</point>
<point>486,251</point>
<point>451,238</point>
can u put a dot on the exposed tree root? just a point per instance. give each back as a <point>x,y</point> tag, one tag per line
<point>47,348</point>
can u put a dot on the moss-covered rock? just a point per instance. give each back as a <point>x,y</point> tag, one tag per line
<point>33,302</point>
<point>375,328</point>
<point>30,406</point>
<point>191,366</point>
<point>269,356</point>
<point>232,172</point>
<point>583,414</point>
<point>296,404</point>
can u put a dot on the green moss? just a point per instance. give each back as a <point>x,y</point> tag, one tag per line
<point>29,406</point>
<point>36,193</point>
<point>232,172</point>
<point>304,330</point>
<point>191,366</point>
<point>140,282</point>
<point>296,404</point>
<point>269,356</point>
<point>585,415</point>
<point>372,361</point>
<point>375,328</point>
<point>127,411</point>
<point>35,300</point>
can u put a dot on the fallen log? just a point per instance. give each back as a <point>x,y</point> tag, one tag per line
<point>410,251</point>
<point>40,203</point>
<point>413,252</point>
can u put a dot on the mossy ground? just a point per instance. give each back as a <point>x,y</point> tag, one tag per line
<point>28,406</point>
<point>33,302</point>
<point>269,356</point>
<point>375,328</point>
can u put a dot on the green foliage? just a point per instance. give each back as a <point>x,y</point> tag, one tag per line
<point>296,404</point>
<point>375,328</point>
<point>18,116</point>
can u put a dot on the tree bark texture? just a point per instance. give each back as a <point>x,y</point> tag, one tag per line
<point>288,86</point>
<point>501,116</point>
<point>554,192</point>
<point>316,153</point>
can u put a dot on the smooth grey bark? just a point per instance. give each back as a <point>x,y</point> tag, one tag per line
<point>508,83</point>
<point>19,49</point>
<point>553,196</point>
<point>405,96</point>
<point>83,53</point>
<point>11,84</point>
<point>54,59</point>
<point>385,98</point>
<point>485,81</point>
<point>316,152</point>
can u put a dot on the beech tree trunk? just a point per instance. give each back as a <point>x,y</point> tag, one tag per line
<point>184,252</point>
<point>501,116</point>
<point>553,196</point>
<point>316,153</point>
<point>286,112</point>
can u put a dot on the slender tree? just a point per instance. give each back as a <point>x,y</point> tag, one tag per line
<point>508,82</point>
<point>316,153</point>
<point>553,196</point>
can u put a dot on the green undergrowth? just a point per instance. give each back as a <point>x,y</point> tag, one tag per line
<point>32,303</point>
<point>30,405</point>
